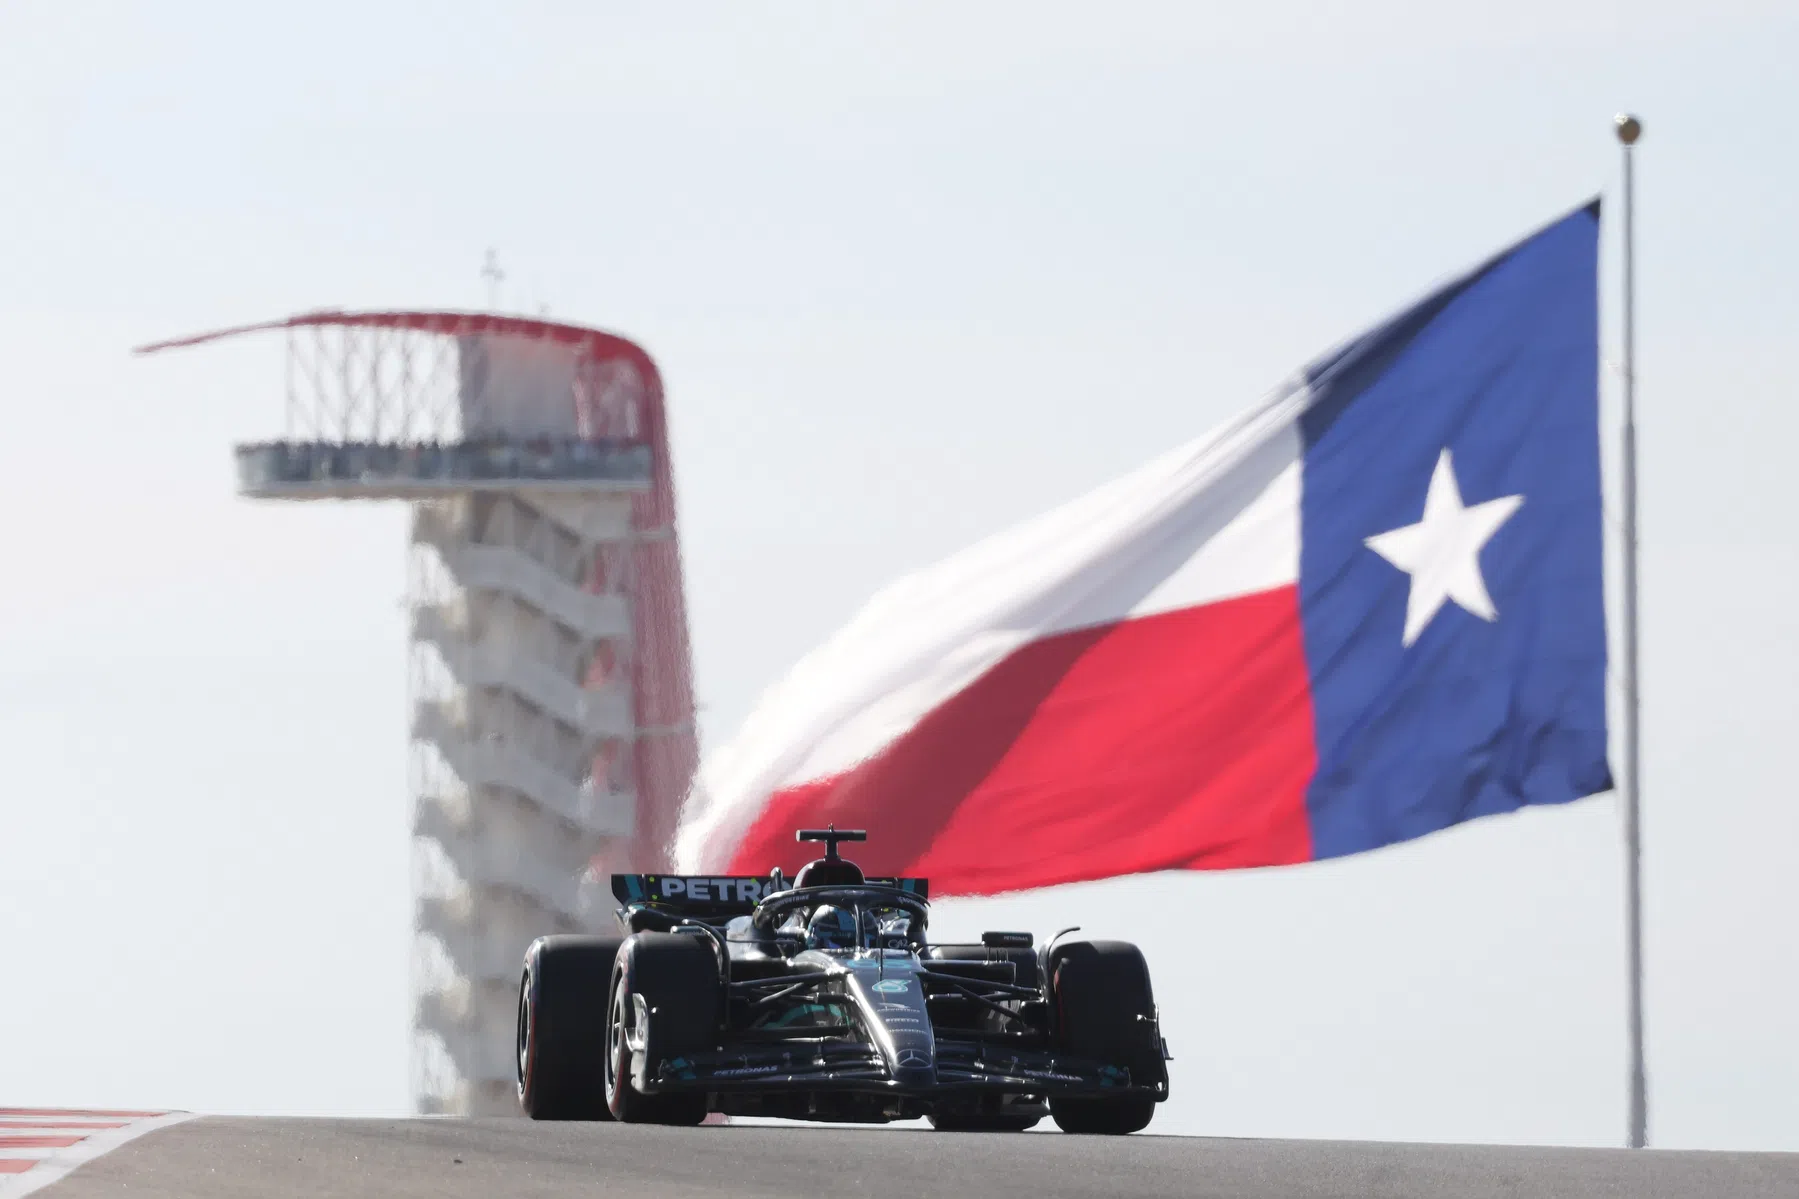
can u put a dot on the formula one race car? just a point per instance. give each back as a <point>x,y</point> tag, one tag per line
<point>824,1000</point>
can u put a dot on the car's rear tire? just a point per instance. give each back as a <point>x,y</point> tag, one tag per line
<point>1104,1010</point>
<point>676,975</point>
<point>561,1045</point>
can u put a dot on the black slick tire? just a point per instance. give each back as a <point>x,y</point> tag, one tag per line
<point>676,977</point>
<point>561,1043</point>
<point>1104,1010</point>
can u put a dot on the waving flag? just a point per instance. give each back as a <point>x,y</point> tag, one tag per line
<point>1364,611</point>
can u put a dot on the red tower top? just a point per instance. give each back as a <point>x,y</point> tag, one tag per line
<point>402,404</point>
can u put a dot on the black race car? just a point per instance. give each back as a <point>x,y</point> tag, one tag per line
<point>825,1000</point>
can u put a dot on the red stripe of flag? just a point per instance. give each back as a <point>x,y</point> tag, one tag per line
<point>1181,740</point>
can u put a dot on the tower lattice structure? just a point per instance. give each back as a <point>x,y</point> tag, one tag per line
<point>552,698</point>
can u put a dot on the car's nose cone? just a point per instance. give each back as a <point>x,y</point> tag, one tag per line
<point>891,995</point>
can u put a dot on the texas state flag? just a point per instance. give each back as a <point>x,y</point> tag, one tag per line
<point>1369,608</point>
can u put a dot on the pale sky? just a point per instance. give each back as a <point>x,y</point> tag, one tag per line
<point>912,272</point>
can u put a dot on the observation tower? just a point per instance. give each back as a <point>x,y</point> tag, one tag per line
<point>552,694</point>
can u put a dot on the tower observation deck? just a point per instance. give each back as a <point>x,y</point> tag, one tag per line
<point>552,696</point>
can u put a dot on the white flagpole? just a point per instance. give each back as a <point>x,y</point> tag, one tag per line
<point>1629,129</point>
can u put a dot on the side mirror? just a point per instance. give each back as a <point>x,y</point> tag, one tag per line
<point>1007,940</point>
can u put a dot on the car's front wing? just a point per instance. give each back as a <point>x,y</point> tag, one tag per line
<point>845,1065</point>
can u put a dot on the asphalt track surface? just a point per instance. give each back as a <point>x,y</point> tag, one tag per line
<point>442,1159</point>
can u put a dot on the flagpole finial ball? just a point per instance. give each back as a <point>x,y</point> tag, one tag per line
<point>1629,128</point>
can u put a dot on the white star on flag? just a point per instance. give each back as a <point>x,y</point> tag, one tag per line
<point>1442,551</point>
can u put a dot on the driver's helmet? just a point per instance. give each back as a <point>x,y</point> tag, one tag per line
<point>831,928</point>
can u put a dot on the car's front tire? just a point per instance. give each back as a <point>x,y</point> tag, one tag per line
<point>561,1041</point>
<point>676,977</point>
<point>1104,1010</point>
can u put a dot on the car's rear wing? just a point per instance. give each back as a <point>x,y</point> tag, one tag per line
<point>716,897</point>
